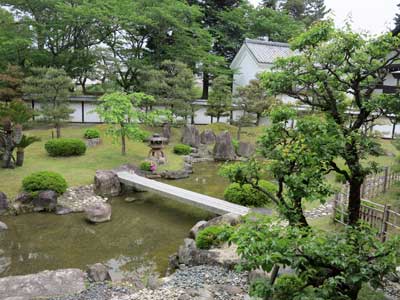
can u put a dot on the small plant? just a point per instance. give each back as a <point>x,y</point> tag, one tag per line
<point>182,149</point>
<point>92,133</point>
<point>213,236</point>
<point>65,147</point>
<point>43,181</point>
<point>235,144</point>
<point>148,166</point>
<point>260,288</point>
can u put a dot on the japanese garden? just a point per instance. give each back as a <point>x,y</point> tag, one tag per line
<point>199,149</point>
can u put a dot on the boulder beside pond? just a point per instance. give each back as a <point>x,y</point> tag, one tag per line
<point>107,183</point>
<point>223,149</point>
<point>98,273</point>
<point>245,149</point>
<point>45,201</point>
<point>191,136</point>
<point>3,202</point>
<point>207,137</point>
<point>98,213</point>
<point>43,285</point>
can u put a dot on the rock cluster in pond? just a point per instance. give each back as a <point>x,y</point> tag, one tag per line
<point>3,203</point>
<point>207,137</point>
<point>98,273</point>
<point>77,199</point>
<point>245,149</point>
<point>45,201</point>
<point>98,212</point>
<point>223,149</point>
<point>191,136</point>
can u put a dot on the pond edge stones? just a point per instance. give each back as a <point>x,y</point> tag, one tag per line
<point>98,212</point>
<point>191,136</point>
<point>223,149</point>
<point>3,203</point>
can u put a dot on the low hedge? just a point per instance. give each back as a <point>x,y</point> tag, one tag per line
<point>43,181</point>
<point>182,149</point>
<point>213,236</point>
<point>65,147</point>
<point>92,133</point>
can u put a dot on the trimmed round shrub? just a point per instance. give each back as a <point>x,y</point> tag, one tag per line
<point>43,181</point>
<point>213,236</point>
<point>65,147</point>
<point>92,133</point>
<point>246,195</point>
<point>182,149</point>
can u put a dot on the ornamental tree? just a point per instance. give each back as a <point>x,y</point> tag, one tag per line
<point>220,99</point>
<point>122,114</point>
<point>51,87</point>
<point>297,159</point>
<point>336,71</point>
<point>326,265</point>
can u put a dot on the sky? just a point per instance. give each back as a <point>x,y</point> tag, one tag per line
<point>374,16</point>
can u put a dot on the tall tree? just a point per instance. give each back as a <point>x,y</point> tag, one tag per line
<point>332,64</point>
<point>173,84</point>
<point>220,100</point>
<point>11,83</point>
<point>51,87</point>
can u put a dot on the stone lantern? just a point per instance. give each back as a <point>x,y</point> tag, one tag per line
<point>156,153</point>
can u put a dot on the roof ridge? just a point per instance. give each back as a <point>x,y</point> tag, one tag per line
<point>269,43</point>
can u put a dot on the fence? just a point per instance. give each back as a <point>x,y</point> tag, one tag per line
<point>379,216</point>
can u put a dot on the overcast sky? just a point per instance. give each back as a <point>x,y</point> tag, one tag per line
<point>375,16</point>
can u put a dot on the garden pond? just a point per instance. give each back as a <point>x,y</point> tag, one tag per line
<point>139,238</point>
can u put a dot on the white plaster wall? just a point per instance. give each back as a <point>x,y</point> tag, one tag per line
<point>90,115</point>
<point>390,80</point>
<point>76,116</point>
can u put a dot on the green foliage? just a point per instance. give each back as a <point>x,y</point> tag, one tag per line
<point>247,195</point>
<point>260,288</point>
<point>65,147</point>
<point>327,265</point>
<point>45,180</point>
<point>16,111</point>
<point>220,100</point>
<point>92,133</point>
<point>396,143</point>
<point>145,166</point>
<point>213,236</point>
<point>51,87</point>
<point>26,141</point>
<point>182,149</point>
<point>235,144</point>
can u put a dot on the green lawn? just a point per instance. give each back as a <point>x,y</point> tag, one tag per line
<point>78,170</point>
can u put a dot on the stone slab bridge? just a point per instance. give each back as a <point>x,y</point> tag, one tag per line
<point>208,203</point>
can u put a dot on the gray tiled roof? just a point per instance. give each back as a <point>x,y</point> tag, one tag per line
<point>266,52</point>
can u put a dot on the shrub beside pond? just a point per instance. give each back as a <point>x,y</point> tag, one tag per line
<point>92,133</point>
<point>65,147</point>
<point>182,149</point>
<point>247,195</point>
<point>43,181</point>
<point>213,236</point>
<point>145,166</point>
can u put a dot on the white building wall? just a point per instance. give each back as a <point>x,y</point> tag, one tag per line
<point>76,116</point>
<point>90,115</point>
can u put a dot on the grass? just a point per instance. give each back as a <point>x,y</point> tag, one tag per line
<point>79,170</point>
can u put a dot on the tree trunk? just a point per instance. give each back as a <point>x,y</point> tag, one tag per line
<point>296,215</point>
<point>58,130</point>
<point>218,116</point>
<point>212,119</point>
<point>123,140</point>
<point>393,131</point>
<point>206,85</point>
<point>258,119</point>
<point>20,157</point>
<point>239,131</point>
<point>354,200</point>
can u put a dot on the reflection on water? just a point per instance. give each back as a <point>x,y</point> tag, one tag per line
<point>141,234</point>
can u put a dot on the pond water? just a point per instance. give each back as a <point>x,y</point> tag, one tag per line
<point>140,236</point>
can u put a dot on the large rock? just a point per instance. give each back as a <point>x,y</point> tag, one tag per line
<point>191,136</point>
<point>98,273</point>
<point>42,285</point>
<point>207,137</point>
<point>166,131</point>
<point>45,201</point>
<point>107,184</point>
<point>3,202</point>
<point>245,149</point>
<point>196,228</point>
<point>223,149</point>
<point>98,212</point>
<point>173,175</point>
<point>230,219</point>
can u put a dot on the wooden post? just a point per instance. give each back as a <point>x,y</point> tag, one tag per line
<point>385,220</point>
<point>335,202</point>
<point>385,180</point>
<point>363,187</point>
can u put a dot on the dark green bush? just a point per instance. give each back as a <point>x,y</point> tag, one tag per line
<point>145,166</point>
<point>65,147</point>
<point>260,288</point>
<point>213,236</point>
<point>246,195</point>
<point>45,180</point>
<point>182,149</point>
<point>92,133</point>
